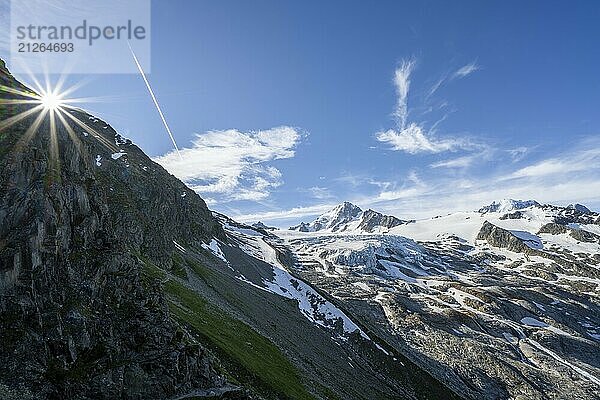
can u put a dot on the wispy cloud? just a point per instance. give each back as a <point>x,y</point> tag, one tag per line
<point>288,214</point>
<point>458,162</point>
<point>434,88</point>
<point>232,165</point>
<point>413,137</point>
<point>402,83</point>
<point>449,76</point>
<point>321,193</point>
<point>466,70</point>
<point>518,153</point>
<point>357,180</point>
<point>582,161</point>
<point>566,178</point>
<point>413,140</point>
<point>482,152</point>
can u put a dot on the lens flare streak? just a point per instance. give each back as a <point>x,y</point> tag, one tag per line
<point>162,117</point>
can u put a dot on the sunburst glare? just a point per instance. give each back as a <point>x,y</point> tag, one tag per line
<point>51,100</point>
<point>51,103</point>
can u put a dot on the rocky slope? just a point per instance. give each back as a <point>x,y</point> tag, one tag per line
<point>76,227</point>
<point>503,303</point>
<point>116,281</point>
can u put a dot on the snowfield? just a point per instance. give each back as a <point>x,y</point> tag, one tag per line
<point>521,306</point>
<point>311,304</point>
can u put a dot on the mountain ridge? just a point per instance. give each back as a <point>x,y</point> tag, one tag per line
<point>349,217</point>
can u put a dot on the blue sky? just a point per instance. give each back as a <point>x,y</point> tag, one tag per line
<point>285,108</point>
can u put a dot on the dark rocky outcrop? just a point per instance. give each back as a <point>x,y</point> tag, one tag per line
<point>262,226</point>
<point>502,238</point>
<point>573,214</point>
<point>585,236</point>
<point>372,220</point>
<point>553,228</point>
<point>512,215</point>
<point>301,227</point>
<point>578,234</point>
<point>77,225</point>
<point>499,237</point>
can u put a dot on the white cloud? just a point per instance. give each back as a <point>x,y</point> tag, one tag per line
<point>483,153</point>
<point>436,86</point>
<point>402,83</point>
<point>358,180</point>
<point>449,76</point>
<point>414,178</point>
<point>233,165</point>
<point>580,161</point>
<point>518,153</point>
<point>459,162</point>
<point>289,214</point>
<point>398,194</point>
<point>466,70</point>
<point>413,140</point>
<point>411,137</point>
<point>320,192</point>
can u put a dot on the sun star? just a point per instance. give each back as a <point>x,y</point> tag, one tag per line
<point>51,101</point>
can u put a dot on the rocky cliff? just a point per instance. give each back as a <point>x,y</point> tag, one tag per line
<point>81,212</point>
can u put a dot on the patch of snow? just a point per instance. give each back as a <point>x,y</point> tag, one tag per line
<point>529,239</point>
<point>361,285</point>
<point>381,348</point>
<point>116,156</point>
<point>529,321</point>
<point>594,335</point>
<point>310,303</point>
<point>214,248</point>
<point>244,231</point>
<point>394,272</point>
<point>591,228</point>
<point>540,306</point>
<point>242,278</point>
<point>98,160</point>
<point>510,338</point>
<point>568,242</point>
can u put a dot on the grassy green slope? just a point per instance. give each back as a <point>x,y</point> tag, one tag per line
<point>248,357</point>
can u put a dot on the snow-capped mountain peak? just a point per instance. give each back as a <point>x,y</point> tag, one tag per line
<point>333,220</point>
<point>349,217</point>
<point>506,205</point>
